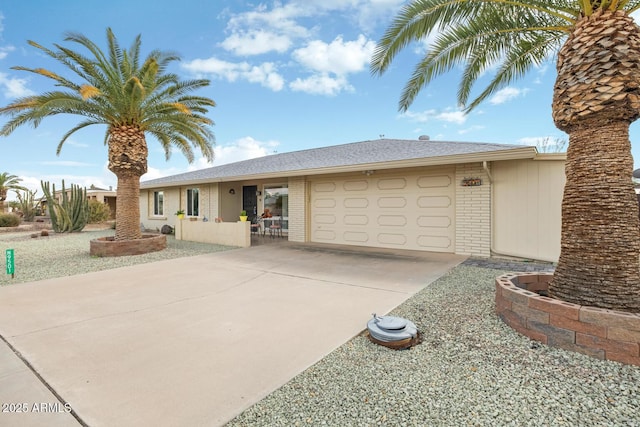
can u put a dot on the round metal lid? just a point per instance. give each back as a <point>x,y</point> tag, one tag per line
<point>391,323</point>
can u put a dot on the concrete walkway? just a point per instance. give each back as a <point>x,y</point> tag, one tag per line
<point>191,341</point>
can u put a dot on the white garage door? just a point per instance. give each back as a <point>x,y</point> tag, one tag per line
<point>413,211</point>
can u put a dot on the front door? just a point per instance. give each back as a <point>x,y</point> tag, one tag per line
<point>250,201</point>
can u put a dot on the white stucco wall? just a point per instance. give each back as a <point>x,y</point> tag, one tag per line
<point>527,205</point>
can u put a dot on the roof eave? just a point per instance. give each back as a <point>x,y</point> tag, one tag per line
<point>511,154</point>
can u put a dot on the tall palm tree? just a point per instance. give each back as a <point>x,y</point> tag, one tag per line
<point>7,183</point>
<point>132,98</point>
<point>596,98</point>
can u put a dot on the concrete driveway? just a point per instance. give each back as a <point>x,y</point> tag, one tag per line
<point>190,341</point>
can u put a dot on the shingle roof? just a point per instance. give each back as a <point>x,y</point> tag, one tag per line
<point>357,153</point>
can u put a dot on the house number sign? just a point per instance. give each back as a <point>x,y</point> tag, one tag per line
<point>10,262</point>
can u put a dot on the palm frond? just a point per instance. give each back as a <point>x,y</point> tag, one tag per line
<point>475,35</point>
<point>115,88</point>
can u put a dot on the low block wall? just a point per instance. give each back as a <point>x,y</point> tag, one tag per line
<point>601,333</point>
<point>218,233</point>
<point>108,247</point>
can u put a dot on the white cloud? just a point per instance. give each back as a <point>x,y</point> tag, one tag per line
<point>14,87</point>
<point>321,84</point>
<point>255,42</point>
<point>470,129</point>
<point>330,64</point>
<point>5,50</point>
<point>266,74</point>
<point>507,94</point>
<point>154,173</point>
<point>262,30</point>
<point>338,57</point>
<point>280,19</point>
<point>450,116</point>
<point>243,149</point>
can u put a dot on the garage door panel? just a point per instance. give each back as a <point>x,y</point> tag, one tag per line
<point>392,202</point>
<point>435,181</point>
<point>324,187</point>
<point>434,221</point>
<point>392,184</point>
<point>324,203</point>
<point>434,242</point>
<point>356,219</point>
<point>355,202</point>
<point>357,185</point>
<point>324,219</point>
<point>434,201</point>
<point>392,220</point>
<point>392,239</point>
<point>415,211</point>
<point>356,236</point>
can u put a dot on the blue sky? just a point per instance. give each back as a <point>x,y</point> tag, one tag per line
<point>286,76</point>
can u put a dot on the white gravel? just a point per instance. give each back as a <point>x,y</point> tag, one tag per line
<point>67,254</point>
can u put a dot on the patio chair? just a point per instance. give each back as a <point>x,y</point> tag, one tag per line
<point>256,225</point>
<point>275,228</point>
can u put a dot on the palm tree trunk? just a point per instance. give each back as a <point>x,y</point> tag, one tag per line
<point>595,99</point>
<point>128,208</point>
<point>128,161</point>
<point>599,264</point>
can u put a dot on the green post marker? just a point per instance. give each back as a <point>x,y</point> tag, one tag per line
<point>11,267</point>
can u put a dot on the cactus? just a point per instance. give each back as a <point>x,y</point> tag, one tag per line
<point>72,213</point>
<point>27,203</point>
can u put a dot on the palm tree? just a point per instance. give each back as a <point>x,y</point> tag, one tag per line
<point>8,182</point>
<point>132,98</point>
<point>596,98</point>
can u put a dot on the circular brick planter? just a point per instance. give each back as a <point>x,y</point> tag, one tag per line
<point>108,247</point>
<point>601,333</point>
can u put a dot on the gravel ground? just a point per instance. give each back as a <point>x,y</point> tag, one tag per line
<point>470,370</point>
<point>67,254</point>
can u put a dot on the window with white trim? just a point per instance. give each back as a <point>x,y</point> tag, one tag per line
<point>193,202</point>
<point>158,203</point>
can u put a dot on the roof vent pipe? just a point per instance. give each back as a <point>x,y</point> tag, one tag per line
<point>424,138</point>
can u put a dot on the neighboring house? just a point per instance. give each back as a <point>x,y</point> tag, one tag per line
<point>93,193</point>
<point>457,197</point>
<point>105,196</point>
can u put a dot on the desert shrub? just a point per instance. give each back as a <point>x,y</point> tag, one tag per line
<point>9,220</point>
<point>98,211</point>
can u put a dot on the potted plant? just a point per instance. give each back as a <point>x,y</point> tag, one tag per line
<point>180,213</point>
<point>243,215</point>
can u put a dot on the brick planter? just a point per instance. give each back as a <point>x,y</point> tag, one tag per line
<point>108,247</point>
<point>601,333</point>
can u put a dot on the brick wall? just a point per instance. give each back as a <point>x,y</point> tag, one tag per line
<point>597,332</point>
<point>473,212</point>
<point>297,209</point>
